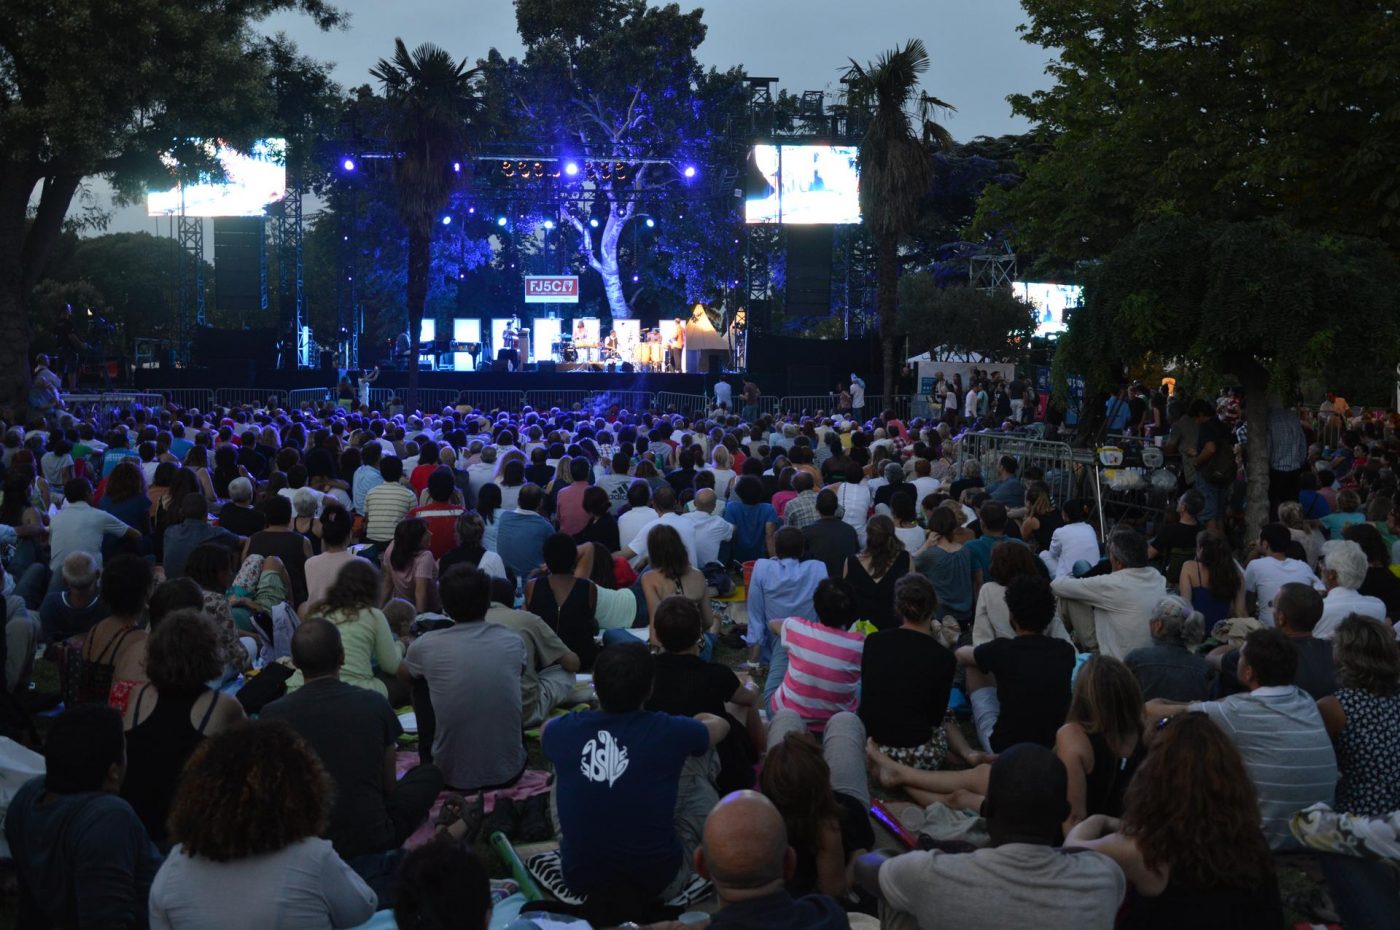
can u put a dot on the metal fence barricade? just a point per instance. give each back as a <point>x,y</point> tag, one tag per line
<point>595,402</point>
<point>1055,459</point>
<point>689,404</point>
<point>485,400</point>
<point>253,397</point>
<point>302,396</point>
<point>806,404</point>
<point>189,398</point>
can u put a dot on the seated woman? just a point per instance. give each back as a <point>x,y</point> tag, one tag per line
<point>618,608</point>
<point>372,655</point>
<point>1101,744</point>
<point>1189,870</point>
<point>602,525</point>
<point>409,569</point>
<point>565,603</point>
<point>1169,669</point>
<point>172,713</point>
<point>946,562</point>
<point>125,587</point>
<point>873,572</point>
<point>471,549</point>
<point>992,620</point>
<point>822,678</point>
<point>129,669</point>
<point>1363,717</point>
<point>227,848</point>
<point>211,567</point>
<point>1212,583</point>
<point>903,510</point>
<point>672,574</point>
<point>823,795</point>
<point>906,676</point>
<point>687,685</point>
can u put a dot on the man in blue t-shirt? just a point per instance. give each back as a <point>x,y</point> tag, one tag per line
<point>619,776</point>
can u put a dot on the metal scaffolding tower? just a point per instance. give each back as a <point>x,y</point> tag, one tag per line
<point>189,301</point>
<point>287,239</point>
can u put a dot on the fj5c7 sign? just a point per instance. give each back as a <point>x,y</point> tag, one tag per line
<point>551,289</point>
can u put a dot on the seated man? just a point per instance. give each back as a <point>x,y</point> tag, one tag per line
<point>74,611</point>
<point>472,673</point>
<point>355,732</point>
<point>193,531</point>
<point>1278,730</point>
<point>1022,879</point>
<point>83,857</point>
<point>747,857</point>
<point>1297,609</point>
<point>1008,489</point>
<point>549,665</point>
<point>1344,569</point>
<point>780,587</point>
<point>712,532</point>
<point>619,795</point>
<point>1113,612</point>
<point>1028,695</point>
<point>829,539</point>
<point>522,532</point>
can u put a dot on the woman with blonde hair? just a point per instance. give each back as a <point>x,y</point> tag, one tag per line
<point>353,604</point>
<point>1304,531</point>
<point>722,467</point>
<point>1363,716</point>
<point>1101,742</point>
<point>1042,518</point>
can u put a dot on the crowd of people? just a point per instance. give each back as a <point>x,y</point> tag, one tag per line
<point>1138,726</point>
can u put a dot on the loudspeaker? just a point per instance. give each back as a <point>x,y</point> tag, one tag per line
<point>716,363</point>
<point>238,249</point>
<point>545,366</point>
<point>809,269</point>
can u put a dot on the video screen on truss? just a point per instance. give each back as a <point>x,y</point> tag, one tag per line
<point>812,185</point>
<point>1050,301</point>
<point>253,179</point>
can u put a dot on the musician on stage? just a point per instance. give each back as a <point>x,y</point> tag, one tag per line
<point>610,344</point>
<point>675,349</point>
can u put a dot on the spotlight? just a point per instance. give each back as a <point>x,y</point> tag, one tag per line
<point>548,224</point>
<point>689,171</point>
<point>593,223</point>
<point>471,210</point>
<point>447,221</point>
<point>571,168</point>
<point>348,164</point>
<point>635,279</point>
<point>501,221</point>
<point>457,167</point>
<point>651,223</point>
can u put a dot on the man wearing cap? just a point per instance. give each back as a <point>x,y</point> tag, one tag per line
<point>1021,879</point>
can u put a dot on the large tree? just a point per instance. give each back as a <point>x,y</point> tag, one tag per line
<point>896,170</point>
<point>953,321</point>
<point>1223,111</point>
<point>91,88</point>
<point>618,78</point>
<point>430,98</point>
<point>1259,303</point>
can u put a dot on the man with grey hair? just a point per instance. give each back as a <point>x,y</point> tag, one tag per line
<point>1112,612</point>
<point>239,515</point>
<point>894,480</point>
<point>74,611</point>
<point>1344,568</point>
<point>746,855</point>
<point>481,473</point>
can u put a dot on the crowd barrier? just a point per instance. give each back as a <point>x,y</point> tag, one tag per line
<point>1056,459</point>
<point>190,398</point>
<point>596,401</point>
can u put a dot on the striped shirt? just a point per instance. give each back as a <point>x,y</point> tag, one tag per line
<point>385,505</point>
<point>823,673</point>
<point>1286,749</point>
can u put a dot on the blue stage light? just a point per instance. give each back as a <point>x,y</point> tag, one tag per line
<point>457,167</point>
<point>651,223</point>
<point>593,223</point>
<point>501,221</point>
<point>447,221</point>
<point>348,164</point>
<point>571,168</point>
<point>689,171</point>
<point>548,224</point>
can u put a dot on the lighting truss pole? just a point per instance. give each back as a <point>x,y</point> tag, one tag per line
<point>291,293</point>
<point>189,236</point>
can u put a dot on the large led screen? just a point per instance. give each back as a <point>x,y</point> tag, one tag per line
<point>1050,301</point>
<point>803,185</point>
<point>253,179</point>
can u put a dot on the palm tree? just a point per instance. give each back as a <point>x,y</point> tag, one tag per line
<point>431,98</point>
<point>896,168</point>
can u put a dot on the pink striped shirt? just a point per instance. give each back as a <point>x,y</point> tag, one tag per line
<point>823,672</point>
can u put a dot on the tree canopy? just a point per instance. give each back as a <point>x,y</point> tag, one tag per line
<point>1223,112</point>
<point>994,324</point>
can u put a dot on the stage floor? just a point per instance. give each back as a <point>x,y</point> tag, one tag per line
<point>528,381</point>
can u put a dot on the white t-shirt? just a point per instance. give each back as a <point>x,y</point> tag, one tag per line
<point>1264,577</point>
<point>724,394</point>
<point>923,487</point>
<point>631,522</point>
<point>1341,603</point>
<point>684,527</point>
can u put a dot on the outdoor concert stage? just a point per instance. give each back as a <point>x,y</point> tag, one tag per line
<point>527,381</point>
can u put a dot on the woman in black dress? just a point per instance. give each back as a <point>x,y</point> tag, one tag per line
<point>873,572</point>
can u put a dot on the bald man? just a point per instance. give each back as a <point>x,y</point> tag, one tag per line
<point>746,855</point>
<point>712,532</point>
